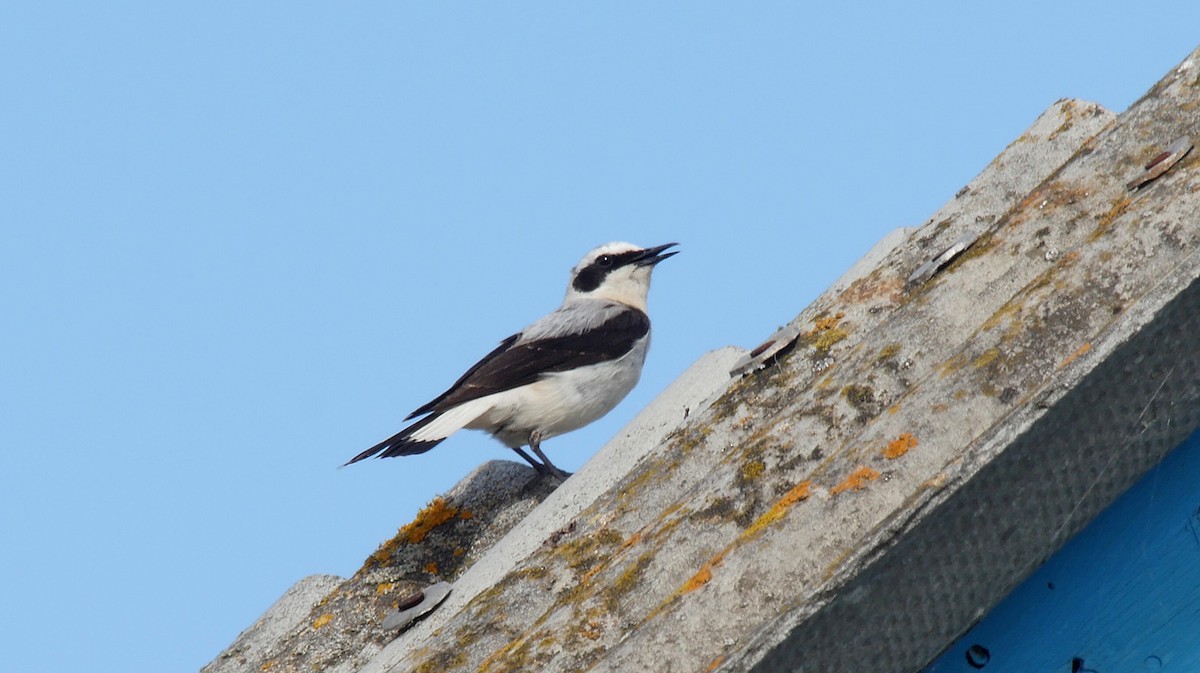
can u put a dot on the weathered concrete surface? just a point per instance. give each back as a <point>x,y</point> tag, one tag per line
<point>329,624</point>
<point>292,608</point>
<point>756,513</point>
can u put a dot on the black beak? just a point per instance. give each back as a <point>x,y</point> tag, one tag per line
<point>652,256</point>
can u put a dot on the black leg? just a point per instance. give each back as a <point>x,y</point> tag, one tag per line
<point>541,469</point>
<point>535,440</point>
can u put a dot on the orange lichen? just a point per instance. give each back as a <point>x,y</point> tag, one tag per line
<point>466,515</point>
<point>794,495</point>
<point>1119,206</point>
<point>458,551</point>
<point>1075,356</point>
<point>592,630</point>
<point>702,576</point>
<point>828,322</point>
<point>716,663</point>
<point>900,446</point>
<point>856,481</point>
<point>384,553</point>
<point>322,620</point>
<point>267,665</point>
<point>874,286</point>
<point>431,568</point>
<point>825,332</point>
<point>587,577</point>
<point>433,515</point>
<point>385,587</point>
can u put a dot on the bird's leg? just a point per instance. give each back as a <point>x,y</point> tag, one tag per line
<point>541,469</point>
<point>535,441</point>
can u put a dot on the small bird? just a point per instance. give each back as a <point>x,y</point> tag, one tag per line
<point>558,374</point>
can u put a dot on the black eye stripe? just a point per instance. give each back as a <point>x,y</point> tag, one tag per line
<point>592,275</point>
<point>623,258</point>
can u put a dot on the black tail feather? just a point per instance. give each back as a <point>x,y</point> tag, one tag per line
<point>400,443</point>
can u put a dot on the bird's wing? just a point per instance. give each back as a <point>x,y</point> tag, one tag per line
<point>523,358</point>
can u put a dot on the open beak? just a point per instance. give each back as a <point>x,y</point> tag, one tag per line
<point>652,256</point>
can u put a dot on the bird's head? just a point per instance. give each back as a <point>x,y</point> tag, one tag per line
<point>617,272</point>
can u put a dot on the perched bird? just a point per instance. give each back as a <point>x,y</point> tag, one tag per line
<point>559,374</point>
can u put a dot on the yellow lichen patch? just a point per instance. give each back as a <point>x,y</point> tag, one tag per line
<point>986,358</point>
<point>825,332</point>
<point>631,575</point>
<point>385,587</point>
<point>1010,311</point>
<point>795,494</point>
<point>716,663</point>
<point>856,481</point>
<point>1075,356</point>
<point>951,365</point>
<point>517,650</point>
<point>753,470</point>
<point>827,381</point>
<point>431,568</point>
<point>322,620</point>
<point>899,446</point>
<point>828,338</point>
<point>887,353</point>
<point>267,665</point>
<point>894,409</point>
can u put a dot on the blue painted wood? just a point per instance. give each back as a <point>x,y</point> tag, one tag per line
<point>1122,596</point>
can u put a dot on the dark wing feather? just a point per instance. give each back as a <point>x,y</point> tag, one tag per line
<point>399,444</point>
<point>516,364</point>
<point>432,404</point>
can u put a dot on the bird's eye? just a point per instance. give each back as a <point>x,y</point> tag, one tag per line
<point>604,261</point>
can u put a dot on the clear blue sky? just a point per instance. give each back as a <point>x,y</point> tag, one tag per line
<point>240,241</point>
